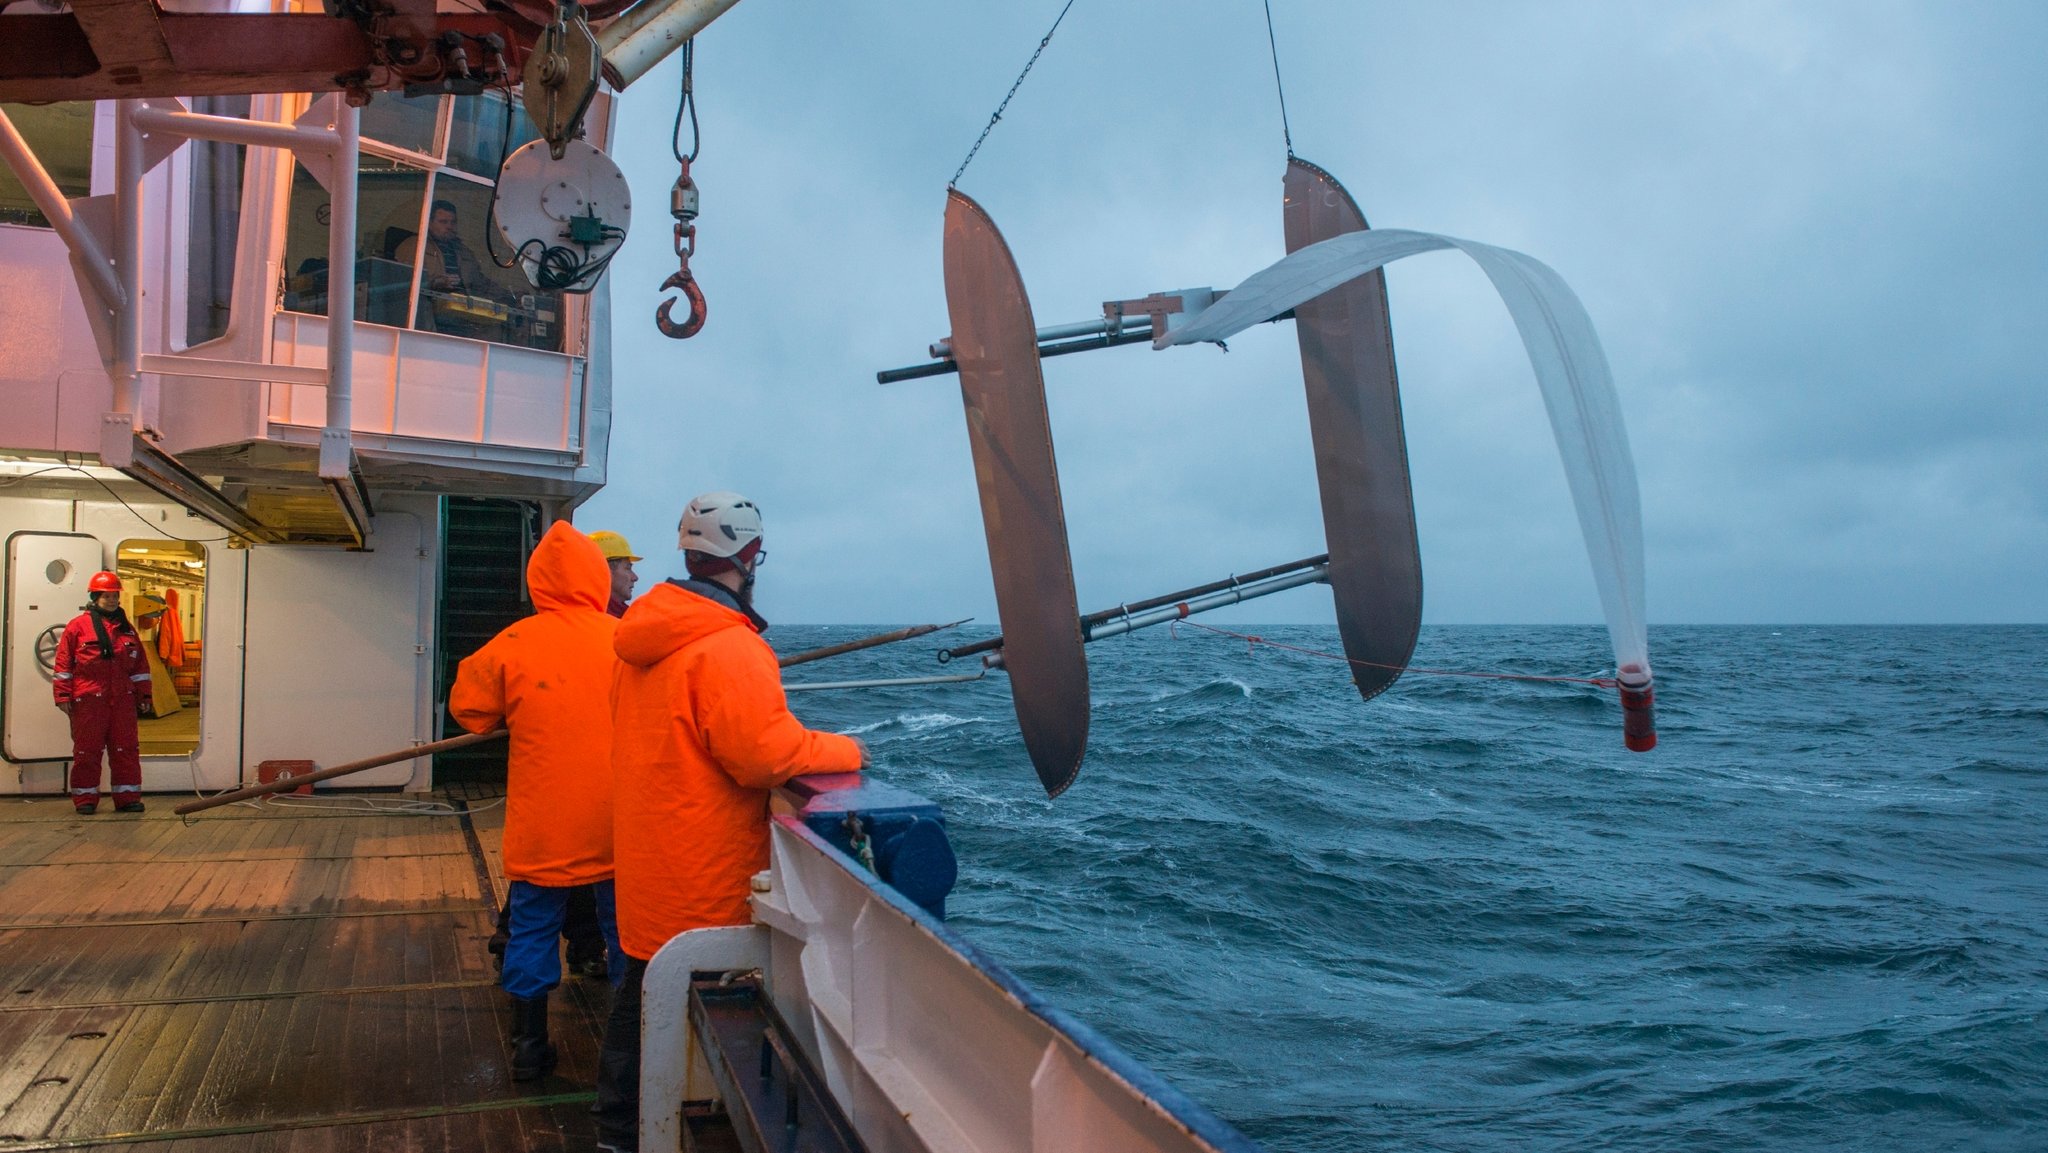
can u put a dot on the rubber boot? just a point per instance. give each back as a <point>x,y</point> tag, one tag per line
<point>586,939</point>
<point>587,959</point>
<point>501,937</point>
<point>532,1056</point>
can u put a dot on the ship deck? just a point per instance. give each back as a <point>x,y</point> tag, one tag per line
<point>268,978</point>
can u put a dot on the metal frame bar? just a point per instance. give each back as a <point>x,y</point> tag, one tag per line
<point>1052,342</point>
<point>232,130</point>
<point>337,457</point>
<point>894,682</point>
<point>204,368</point>
<point>644,35</point>
<point>128,172</point>
<point>1185,609</point>
<point>1092,622</point>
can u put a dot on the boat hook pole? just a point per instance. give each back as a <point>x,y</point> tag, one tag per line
<point>283,784</point>
<point>809,655</point>
<point>377,762</point>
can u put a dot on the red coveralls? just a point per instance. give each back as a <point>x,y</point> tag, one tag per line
<point>102,689</point>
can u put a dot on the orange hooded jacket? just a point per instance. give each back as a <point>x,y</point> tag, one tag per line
<point>702,732</point>
<point>549,678</point>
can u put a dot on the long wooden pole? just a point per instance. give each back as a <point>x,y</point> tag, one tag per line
<point>379,761</point>
<point>810,655</point>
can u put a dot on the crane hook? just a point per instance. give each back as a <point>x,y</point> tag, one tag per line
<point>683,206</point>
<point>682,279</point>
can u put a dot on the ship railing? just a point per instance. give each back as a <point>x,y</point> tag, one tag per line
<point>924,1041</point>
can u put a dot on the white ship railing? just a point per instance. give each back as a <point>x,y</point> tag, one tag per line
<point>926,1044</point>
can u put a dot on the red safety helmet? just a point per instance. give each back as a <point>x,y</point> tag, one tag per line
<point>103,582</point>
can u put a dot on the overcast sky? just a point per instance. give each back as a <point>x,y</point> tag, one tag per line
<point>1814,239</point>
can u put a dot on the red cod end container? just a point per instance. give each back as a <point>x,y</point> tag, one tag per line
<point>1638,709</point>
<point>268,771</point>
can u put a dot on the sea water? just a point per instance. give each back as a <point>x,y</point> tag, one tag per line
<point>1462,917</point>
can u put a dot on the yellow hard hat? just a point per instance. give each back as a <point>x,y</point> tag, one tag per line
<point>613,546</point>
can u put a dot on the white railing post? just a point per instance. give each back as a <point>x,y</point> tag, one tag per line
<point>117,425</point>
<point>336,456</point>
<point>665,1021</point>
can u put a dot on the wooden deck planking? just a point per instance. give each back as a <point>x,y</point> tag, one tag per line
<point>113,839</point>
<point>43,895</point>
<point>320,977</point>
<point>76,966</point>
<point>558,1126</point>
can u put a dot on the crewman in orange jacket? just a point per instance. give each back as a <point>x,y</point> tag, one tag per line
<point>701,732</point>
<point>548,678</point>
<point>587,952</point>
<point>618,554</point>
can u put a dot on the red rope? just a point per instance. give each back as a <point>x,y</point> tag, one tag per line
<point>1250,640</point>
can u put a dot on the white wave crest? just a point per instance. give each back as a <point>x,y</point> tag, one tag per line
<point>913,723</point>
<point>1243,689</point>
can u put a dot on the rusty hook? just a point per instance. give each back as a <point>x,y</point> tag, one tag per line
<point>689,328</point>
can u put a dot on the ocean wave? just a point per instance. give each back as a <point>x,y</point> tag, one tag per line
<point>914,723</point>
<point>1224,687</point>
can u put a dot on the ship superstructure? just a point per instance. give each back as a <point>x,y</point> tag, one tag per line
<point>330,524</point>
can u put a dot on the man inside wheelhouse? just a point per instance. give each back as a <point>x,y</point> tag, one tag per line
<point>456,294</point>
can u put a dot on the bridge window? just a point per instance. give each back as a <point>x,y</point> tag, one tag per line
<point>61,137</point>
<point>408,122</point>
<point>428,256</point>
<point>484,131</point>
<point>216,221</point>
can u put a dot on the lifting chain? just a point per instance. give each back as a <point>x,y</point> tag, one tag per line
<point>682,204</point>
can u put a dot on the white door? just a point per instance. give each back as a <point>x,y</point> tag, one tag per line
<point>46,577</point>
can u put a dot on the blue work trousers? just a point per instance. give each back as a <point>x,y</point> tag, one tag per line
<point>533,956</point>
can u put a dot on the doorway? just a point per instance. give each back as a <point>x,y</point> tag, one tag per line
<point>484,547</point>
<point>163,589</point>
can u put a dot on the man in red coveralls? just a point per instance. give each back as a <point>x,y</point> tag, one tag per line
<point>101,682</point>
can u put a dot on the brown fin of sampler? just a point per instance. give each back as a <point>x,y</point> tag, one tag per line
<point>995,344</point>
<point>1361,453</point>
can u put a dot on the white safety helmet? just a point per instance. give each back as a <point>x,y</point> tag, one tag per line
<point>719,524</point>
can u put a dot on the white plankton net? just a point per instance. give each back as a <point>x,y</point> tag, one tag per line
<point>1571,369</point>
